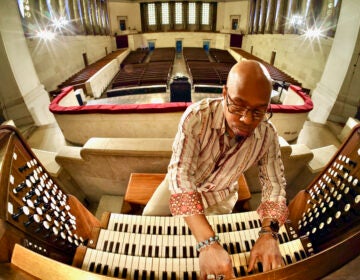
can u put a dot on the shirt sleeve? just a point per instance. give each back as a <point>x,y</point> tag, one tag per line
<point>184,199</point>
<point>272,178</point>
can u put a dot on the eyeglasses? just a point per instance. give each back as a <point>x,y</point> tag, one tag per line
<point>242,111</point>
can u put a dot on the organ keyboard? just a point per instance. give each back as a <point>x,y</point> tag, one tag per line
<point>322,233</point>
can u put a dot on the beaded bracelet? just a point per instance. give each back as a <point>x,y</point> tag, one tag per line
<point>274,234</point>
<point>207,242</point>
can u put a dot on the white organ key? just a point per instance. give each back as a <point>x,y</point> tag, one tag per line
<point>87,259</point>
<point>156,267</point>
<point>177,269</point>
<point>148,266</point>
<point>236,263</point>
<point>103,262</point>
<point>162,267</point>
<point>100,242</point>
<point>109,264</point>
<point>147,245</point>
<point>191,268</point>
<point>127,265</point>
<point>139,243</point>
<point>112,243</point>
<point>169,267</point>
<point>115,263</point>
<point>134,266</point>
<point>183,269</point>
<point>141,265</point>
<point>99,256</point>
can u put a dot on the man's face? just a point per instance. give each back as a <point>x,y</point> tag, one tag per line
<point>245,107</point>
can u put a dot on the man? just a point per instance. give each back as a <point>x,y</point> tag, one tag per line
<point>217,140</point>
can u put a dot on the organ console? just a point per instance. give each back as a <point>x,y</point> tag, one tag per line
<point>321,234</point>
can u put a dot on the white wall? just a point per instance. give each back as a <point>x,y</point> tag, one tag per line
<point>129,10</point>
<point>228,9</point>
<point>59,59</point>
<point>189,39</point>
<point>301,58</point>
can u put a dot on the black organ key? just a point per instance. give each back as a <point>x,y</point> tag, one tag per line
<point>288,259</point>
<point>218,228</point>
<point>184,252</point>
<point>98,268</point>
<point>143,251</point>
<point>251,224</point>
<point>174,251</point>
<point>192,255</point>
<point>92,266</point>
<point>193,275</point>
<point>140,229</point>
<point>167,254</point>
<point>168,230</point>
<point>183,230</point>
<point>157,249</point>
<point>230,227</point>
<point>134,229</point>
<point>150,251</point>
<point>116,272</point>
<point>237,226</point>
<point>243,227</point>
<point>115,226</point>
<point>126,228</point>
<point>136,274</point>
<point>133,249</point>
<point>117,247</point>
<point>154,230</point>
<point>297,256</point>
<point>185,275</point>
<point>124,273</point>
<point>260,267</point>
<point>225,247</point>
<point>105,246</point>
<point>144,274</point>
<point>224,228</point>
<point>232,248</point>
<point>106,269</point>
<point>126,250</point>
<point>111,246</point>
<point>247,245</point>
<point>164,275</point>
<point>175,231</point>
<point>152,275</point>
<point>235,272</point>
<point>160,230</point>
<point>238,247</point>
<point>243,271</point>
<point>148,230</point>
<point>173,275</point>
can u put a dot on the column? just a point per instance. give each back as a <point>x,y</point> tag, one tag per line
<point>256,16</point>
<point>23,97</point>
<point>270,16</point>
<point>251,16</point>
<point>336,96</point>
<point>292,18</point>
<point>262,18</point>
<point>279,20</point>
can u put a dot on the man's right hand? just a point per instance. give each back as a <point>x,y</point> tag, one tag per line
<point>213,259</point>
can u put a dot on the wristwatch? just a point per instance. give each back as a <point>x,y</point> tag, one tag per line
<point>274,225</point>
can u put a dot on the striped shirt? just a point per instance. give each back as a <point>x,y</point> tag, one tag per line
<point>206,163</point>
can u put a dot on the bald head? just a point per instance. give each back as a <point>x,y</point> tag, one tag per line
<point>249,74</point>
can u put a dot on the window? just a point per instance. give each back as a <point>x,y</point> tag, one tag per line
<point>192,14</point>
<point>178,13</point>
<point>151,12</point>
<point>205,13</point>
<point>165,13</point>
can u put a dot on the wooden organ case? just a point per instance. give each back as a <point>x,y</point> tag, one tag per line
<point>35,212</point>
<point>321,235</point>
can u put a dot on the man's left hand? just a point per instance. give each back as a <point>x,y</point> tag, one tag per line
<point>266,250</point>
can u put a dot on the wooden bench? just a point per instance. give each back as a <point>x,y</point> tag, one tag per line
<point>141,187</point>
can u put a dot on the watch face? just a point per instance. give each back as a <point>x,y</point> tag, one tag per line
<point>274,225</point>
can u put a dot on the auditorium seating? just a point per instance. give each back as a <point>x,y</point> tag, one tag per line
<point>275,73</point>
<point>195,54</point>
<point>79,79</point>
<point>162,54</point>
<point>151,73</point>
<point>135,57</point>
<point>222,56</point>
